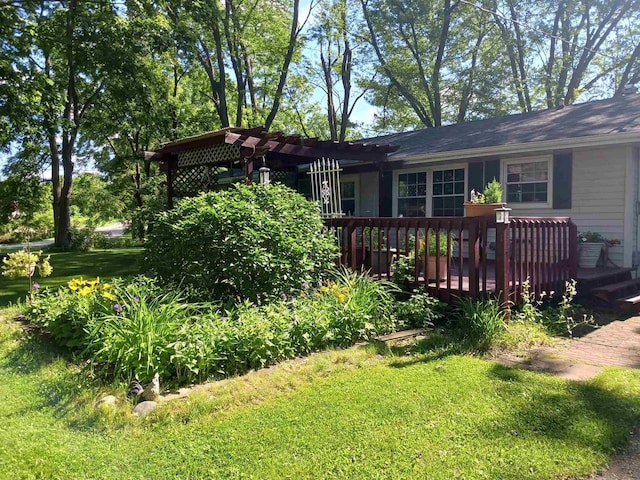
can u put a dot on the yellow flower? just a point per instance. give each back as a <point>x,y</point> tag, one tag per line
<point>93,283</point>
<point>75,283</point>
<point>108,296</point>
<point>324,289</point>
<point>106,286</point>
<point>86,290</point>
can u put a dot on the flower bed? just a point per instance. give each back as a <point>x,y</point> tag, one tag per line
<point>128,329</point>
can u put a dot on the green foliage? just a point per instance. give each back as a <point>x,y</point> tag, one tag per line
<point>135,329</point>
<point>492,193</point>
<point>247,243</point>
<point>358,306</point>
<point>106,264</point>
<point>23,263</point>
<point>478,322</point>
<point>93,201</point>
<point>64,313</point>
<point>443,249</point>
<point>421,310</point>
<point>135,337</point>
<point>404,269</point>
<point>83,238</point>
<point>561,318</point>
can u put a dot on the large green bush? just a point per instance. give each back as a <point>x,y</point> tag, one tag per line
<point>246,243</point>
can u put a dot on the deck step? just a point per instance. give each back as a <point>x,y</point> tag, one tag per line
<point>616,290</point>
<point>629,303</point>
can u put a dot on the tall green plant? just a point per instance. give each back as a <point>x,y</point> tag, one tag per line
<point>247,243</point>
<point>478,322</point>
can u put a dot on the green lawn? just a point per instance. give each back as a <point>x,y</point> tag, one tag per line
<point>346,414</point>
<point>68,265</point>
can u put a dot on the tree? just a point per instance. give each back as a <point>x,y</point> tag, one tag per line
<point>74,50</point>
<point>439,56</point>
<point>246,63</point>
<point>343,69</point>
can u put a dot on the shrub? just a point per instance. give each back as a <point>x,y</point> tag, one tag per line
<point>358,307</point>
<point>83,239</point>
<point>248,243</point>
<point>135,338</point>
<point>478,322</point>
<point>419,311</point>
<point>65,312</point>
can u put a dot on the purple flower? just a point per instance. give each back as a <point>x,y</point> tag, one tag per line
<point>283,296</point>
<point>117,308</point>
<point>36,285</point>
<point>136,299</point>
<point>305,285</point>
<point>20,317</point>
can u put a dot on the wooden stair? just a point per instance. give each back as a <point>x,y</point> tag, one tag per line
<point>624,294</point>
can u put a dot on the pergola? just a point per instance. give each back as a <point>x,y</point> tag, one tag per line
<point>203,162</point>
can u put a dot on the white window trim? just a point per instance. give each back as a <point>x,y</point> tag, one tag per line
<point>538,158</point>
<point>429,170</point>
<point>355,178</point>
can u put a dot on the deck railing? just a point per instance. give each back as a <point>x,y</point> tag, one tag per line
<point>456,257</point>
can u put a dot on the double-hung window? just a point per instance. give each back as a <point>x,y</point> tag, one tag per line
<point>528,180</point>
<point>412,194</point>
<point>448,193</point>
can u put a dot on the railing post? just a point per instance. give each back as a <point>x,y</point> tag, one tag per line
<point>474,254</point>
<point>352,245</point>
<point>573,251</point>
<point>502,266</point>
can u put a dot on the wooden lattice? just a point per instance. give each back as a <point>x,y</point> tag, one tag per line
<point>211,155</point>
<point>286,178</point>
<point>193,180</point>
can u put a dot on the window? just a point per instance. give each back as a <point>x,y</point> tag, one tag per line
<point>348,195</point>
<point>412,194</point>
<point>528,182</point>
<point>448,193</point>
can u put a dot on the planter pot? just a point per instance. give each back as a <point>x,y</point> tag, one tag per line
<point>431,267</point>
<point>589,254</point>
<point>377,261</point>
<point>481,209</point>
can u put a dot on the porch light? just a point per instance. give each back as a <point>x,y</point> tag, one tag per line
<point>264,173</point>
<point>502,214</point>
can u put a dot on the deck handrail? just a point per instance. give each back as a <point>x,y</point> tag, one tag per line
<point>540,250</point>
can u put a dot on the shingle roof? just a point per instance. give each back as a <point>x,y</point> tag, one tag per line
<point>600,117</point>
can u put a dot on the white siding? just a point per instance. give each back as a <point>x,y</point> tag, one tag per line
<point>597,195</point>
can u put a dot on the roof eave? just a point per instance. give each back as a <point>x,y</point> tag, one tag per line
<point>518,148</point>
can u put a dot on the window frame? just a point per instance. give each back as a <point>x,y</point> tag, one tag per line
<point>428,169</point>
<point>533,159</point>
<point>356,191</point>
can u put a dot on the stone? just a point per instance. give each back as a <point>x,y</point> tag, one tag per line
<point>152,392</point>
<point>144,408</point>
<point>109,400</point>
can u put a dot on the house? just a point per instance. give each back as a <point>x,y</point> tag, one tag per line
<point>579,161</point>
<point>563,170</point>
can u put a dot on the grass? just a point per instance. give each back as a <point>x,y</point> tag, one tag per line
<point>67,265</point>
<point>344,414</point>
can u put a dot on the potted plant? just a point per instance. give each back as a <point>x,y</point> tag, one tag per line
<point>376,252</point>
<point>484,204</point>
<point>589,249</point>
<point>436,254</point>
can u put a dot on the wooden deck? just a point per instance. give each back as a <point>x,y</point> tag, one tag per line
<point>483,257</point>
